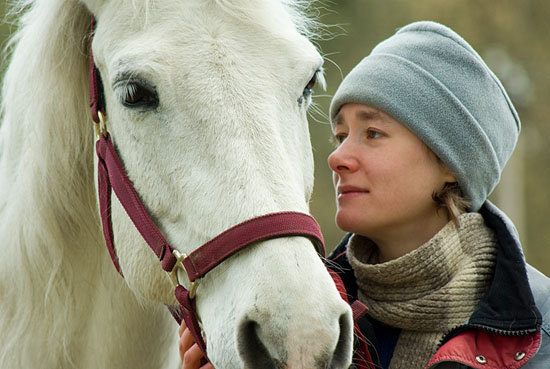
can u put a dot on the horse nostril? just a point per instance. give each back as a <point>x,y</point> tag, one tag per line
<point>341,357</point>
<point>251,349</point>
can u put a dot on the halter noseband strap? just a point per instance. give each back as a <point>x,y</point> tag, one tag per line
<point>283,224</point>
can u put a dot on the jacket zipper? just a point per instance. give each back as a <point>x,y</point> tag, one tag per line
<point>461,328</point>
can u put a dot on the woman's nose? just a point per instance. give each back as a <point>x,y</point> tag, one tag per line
<point>343,158</point>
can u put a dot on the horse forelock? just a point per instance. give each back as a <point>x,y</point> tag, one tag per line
<point>302,13</point>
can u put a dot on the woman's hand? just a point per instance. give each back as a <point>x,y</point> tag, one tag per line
<point>190,353</point>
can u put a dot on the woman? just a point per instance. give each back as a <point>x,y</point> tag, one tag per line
<point>423,130</point>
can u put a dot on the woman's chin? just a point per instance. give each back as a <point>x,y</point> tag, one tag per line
<point>348,222</point>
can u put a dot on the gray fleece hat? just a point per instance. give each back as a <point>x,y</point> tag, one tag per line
<point>431,80</point>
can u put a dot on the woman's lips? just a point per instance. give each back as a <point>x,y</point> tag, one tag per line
<point>346,191</point>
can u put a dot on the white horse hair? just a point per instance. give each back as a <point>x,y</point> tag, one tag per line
<point>220,137</point>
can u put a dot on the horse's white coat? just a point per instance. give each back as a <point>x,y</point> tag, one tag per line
<point>228,141</point>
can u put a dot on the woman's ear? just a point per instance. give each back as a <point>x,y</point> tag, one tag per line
<point>448,176</point>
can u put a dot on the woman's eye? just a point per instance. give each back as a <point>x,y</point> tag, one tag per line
<point>136,95</point>
<point>337,139</point>
<point>371,133</point>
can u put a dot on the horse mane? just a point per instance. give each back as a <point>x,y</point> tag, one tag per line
<point>45,156</point>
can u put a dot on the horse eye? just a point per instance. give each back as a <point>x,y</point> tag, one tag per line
<point>136,95</point>
<point>312,82</point>
<point>309,87</point>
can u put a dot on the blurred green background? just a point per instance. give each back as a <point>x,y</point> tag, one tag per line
<point>514,38</point>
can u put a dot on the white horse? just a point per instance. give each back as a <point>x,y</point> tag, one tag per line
<point>206,103</point>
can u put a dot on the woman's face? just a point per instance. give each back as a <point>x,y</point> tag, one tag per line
<point>384,175</point>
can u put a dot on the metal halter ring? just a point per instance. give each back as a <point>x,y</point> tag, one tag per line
<point>101,126</point>
<point>174,274</point>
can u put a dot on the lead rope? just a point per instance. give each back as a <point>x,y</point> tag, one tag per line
<point>361,357</point>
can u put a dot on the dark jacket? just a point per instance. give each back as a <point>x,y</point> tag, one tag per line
<point>510,327</point>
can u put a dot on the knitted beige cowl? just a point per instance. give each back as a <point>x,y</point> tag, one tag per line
<point>428,291</point>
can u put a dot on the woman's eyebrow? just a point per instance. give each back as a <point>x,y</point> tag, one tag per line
<point>368,115</point>
<point>338,120</point>
<point>362,115</point>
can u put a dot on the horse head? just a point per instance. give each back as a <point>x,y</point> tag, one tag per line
<point>206,102</point>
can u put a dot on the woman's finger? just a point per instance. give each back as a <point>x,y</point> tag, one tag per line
<point>185,342</point>
<point>182,327</point>
<point>191,358</point>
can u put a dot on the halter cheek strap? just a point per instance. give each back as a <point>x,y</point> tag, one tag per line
<point>97,100</point>
<point>111,175</point>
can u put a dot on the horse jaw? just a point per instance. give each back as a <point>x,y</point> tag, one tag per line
<point>228,141</point>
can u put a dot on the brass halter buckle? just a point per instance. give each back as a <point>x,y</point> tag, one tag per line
<point>174,274</point>
<point>101,126</point>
